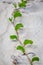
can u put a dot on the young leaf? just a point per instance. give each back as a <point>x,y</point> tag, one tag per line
<point>10,19</point>
<point>35,59</point>
<point>21,5</point>
<point>20,48</point>
<point>13,37</point>
<point>18,26</point>
<point>28,42</point>
<point>17,13</point>
<point>15,5</point>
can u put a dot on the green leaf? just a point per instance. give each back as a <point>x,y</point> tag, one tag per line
<point>15,5</point>
<point>17,13</point>
<point>35,59</point>
<point>20,48</point>
<point>21,5</point>
<point>28,42</point>
<point>13,37</point>
<point>10,19</point>
<point>18,26</point>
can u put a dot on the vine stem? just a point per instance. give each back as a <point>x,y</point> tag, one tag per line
<point>22,44</point>
<point>20,40</point>
<point>24,47</point>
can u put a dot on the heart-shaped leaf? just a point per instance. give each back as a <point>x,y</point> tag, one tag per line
<point>18,26</point>
<point>28,42</point>
<point>21,48</point>
<point>13,37</point>
<point>35,59</point>
<point>22,4</point>
<point>17,13</point>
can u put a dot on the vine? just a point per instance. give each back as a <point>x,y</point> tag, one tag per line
<point>17,27</point>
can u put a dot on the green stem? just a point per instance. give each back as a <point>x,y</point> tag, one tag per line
<point>21,43</point>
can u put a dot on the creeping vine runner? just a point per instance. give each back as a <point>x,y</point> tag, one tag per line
<point>17,27</point>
